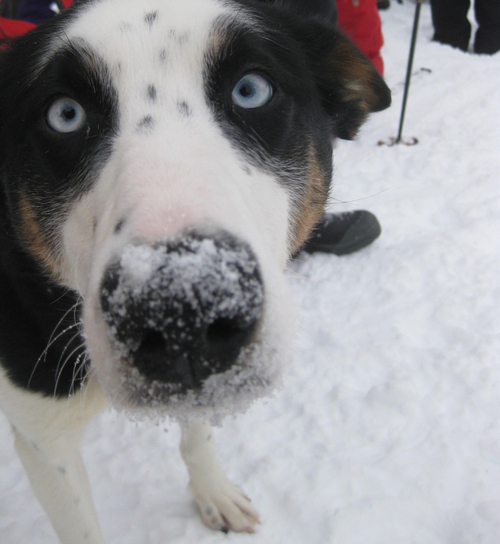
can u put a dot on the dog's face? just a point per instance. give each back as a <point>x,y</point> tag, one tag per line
<point>164,159</point>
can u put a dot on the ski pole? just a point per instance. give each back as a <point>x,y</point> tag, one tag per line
<point>409,68</point>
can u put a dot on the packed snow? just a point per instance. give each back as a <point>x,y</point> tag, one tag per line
<point>387,430</point>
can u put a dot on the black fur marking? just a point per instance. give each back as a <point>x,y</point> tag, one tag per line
<point>184,108</point>
<point>150,18</point>
<point>31,320</point>
<point>151,92</point>
<point>277,136</point>
<point>41,348</point>
<point>146,124</point>
<point>31,144</point>
<point>180,39</point>
<point>311,67</point>
<point>119,226</point>
<point>125,27</point>
<point>163,56</point>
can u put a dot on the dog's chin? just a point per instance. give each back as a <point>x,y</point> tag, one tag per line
<point>257,373</point>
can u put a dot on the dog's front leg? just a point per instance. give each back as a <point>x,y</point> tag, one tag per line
<point>47,434</point>
<point>223,506</point>
<point>60,483</point>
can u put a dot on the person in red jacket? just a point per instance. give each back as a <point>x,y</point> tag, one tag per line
<point>360,21</point>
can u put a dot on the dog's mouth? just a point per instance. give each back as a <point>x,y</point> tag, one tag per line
<point>183,322</point>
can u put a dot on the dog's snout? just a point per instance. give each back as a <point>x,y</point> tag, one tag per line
<point>183,310</point>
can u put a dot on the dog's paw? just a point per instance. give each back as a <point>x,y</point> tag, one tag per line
<point>223,506</point>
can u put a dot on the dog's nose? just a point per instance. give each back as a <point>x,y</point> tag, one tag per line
<point>183,310</point>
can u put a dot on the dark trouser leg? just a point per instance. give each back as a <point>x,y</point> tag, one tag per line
<point>488,34</point>
<point>450,22</point>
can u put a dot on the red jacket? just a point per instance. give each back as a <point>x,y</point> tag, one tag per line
<point>11,28</point>
<point>359,19</point>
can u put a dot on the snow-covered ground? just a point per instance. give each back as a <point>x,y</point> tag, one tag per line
<point>388,428</point>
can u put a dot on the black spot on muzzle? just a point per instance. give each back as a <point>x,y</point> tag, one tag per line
<point>183,310</point>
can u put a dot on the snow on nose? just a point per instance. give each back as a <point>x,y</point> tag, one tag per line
<point>183,310</point>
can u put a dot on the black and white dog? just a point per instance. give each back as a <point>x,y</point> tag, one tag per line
<point>159,163</point>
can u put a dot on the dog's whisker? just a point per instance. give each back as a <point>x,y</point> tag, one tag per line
<point>339,201</point>
<point>60,365</point>
<point>63,332</point>
<point>79,370</point>
<point>60,369</point>
<point>44,353</point>
<point>51,340</point>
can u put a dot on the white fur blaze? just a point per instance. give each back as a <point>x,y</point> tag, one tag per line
<point>172,170</point>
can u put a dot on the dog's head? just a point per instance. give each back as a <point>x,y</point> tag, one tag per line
<point>164,159</point>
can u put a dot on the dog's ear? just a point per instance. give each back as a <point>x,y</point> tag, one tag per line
<point>349,84</point>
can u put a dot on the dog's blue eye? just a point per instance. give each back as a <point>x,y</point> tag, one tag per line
<point>252,91</point>
<point>65,115</point>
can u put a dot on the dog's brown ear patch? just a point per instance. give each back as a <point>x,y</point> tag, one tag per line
<point>349,84</point>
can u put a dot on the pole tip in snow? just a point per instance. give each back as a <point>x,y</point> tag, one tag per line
<point>394,141</point>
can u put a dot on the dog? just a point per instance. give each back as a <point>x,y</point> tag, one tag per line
<point>160,163</point>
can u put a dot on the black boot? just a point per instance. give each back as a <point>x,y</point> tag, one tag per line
<point>451,26</point>
<point>344,233</point>
<point>487,39</point>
